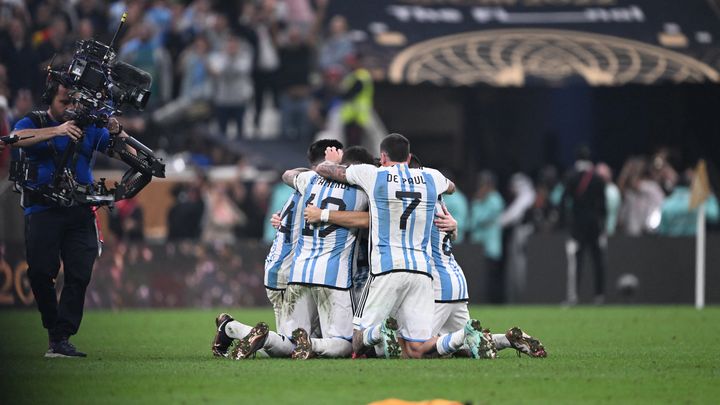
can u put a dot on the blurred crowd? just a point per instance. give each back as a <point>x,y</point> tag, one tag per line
<point>233,69</point>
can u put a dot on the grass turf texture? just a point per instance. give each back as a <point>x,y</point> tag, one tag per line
<point>608,354</point>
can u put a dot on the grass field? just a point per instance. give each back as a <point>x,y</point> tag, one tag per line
<point>609,355</point>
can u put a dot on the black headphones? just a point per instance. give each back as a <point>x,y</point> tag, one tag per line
<point>51,90</point>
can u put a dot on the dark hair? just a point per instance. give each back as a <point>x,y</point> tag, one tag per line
<point>415,162</point>
<point>396,147</point>
<point>51,90</point>
<point>357,155</point>
<point>316,150</point>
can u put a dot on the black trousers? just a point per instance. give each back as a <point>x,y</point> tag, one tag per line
<point>595,246</point>
<point>263,81</point>
<point>70,235</point>
<point>495,281</point>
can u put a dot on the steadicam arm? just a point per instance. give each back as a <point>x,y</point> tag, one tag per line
<point>143,166</point>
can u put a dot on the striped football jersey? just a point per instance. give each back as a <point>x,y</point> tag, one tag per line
<point>449,281</point>
<point>402,207</point>
<point>279,260</point>
<point>325,254</point>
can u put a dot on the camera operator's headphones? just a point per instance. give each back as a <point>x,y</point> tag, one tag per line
<point>51,90</point>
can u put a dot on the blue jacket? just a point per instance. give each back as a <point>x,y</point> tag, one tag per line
<point>95,139</point>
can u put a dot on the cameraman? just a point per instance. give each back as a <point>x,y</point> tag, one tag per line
<point>52,232</point>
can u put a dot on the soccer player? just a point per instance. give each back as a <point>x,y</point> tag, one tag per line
<point>398,296</point>
<point>277,268</point>
<point>451,291</point>
<point>320,281</point>
<point>451,295</point>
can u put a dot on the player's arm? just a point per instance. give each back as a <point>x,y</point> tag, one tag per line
<point>451,187</point>
<point>332,171</point>
<point>331,167</point>
<point>346,219</point>
<point>276,220</point>
<point>289,176</point>
<point>446,222</point>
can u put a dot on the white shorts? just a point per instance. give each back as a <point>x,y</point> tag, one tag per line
<point>449,317</point>
<point>277,299</point>
<point>306,306</point>
<point>407,297</point>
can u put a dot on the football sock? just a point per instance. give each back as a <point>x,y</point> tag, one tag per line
<point>379,352</point>
<point>278,345</point>
<point>450,343</point>
<point>331,347</point>
<point>501,341</point>
<point>237,330</point>
<point>371,336</point>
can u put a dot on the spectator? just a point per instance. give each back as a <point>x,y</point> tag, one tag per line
<point>185,216</point>
<point>612,197</point>
<point>299,13</point>
<point>4,131</point>
<point>337,46</point>
<point>141,52</point>
<point>585,199</point>
<point>677,217</point>
<point>547,200</point>
<point>54,42</point>
<point>4,87</point>
<point>485,229</point>
<point>160,16</point>
<point>266,60</point>
<point>221,217</point>
<point>126,220</point>
<point>197,17</point>
<point>325,100</point>
<point>196,81</point>
<point>231,70</point>
<point>357,107</point>
<point>91,11</point>
<point>457,205</point>
<point>296,55</point>
<point>22,106</point>
<point>86,30</point>
<point>642,198</point>
<point>20,58</point>
<point>662,171</point>
<point>218,31</point>
<point>519,229</point>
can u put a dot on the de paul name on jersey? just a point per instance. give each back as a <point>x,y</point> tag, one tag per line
<point>394,178</point>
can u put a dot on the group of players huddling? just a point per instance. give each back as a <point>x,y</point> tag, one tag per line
<point>362,266</point>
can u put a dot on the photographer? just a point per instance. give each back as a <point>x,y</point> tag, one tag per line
<point>54,232</point>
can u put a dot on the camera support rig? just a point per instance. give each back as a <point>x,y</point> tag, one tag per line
<point>143,166</point>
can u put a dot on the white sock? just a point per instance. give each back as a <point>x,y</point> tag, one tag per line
<point>379,351</point>
<point>371,336</point>
<point>237,330</point>
<point>450,343</point>
<point>331,347</point>
<point>278,345</point>
<point>501,341</point>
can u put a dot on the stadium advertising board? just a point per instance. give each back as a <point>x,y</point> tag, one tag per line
<point>537,42</point>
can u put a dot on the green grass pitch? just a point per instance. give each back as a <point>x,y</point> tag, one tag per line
<point>596,355</point>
